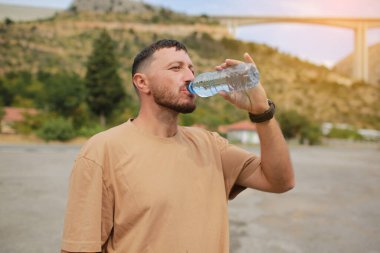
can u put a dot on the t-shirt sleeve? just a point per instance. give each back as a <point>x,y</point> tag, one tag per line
<point>237,164</point>
<point>89,212</point>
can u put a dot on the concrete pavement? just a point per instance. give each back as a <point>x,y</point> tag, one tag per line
<point>335,206</point>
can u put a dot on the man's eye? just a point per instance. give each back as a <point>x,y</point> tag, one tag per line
<point>176,68</point>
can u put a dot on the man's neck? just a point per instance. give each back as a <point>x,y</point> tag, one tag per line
<point>162,124</point>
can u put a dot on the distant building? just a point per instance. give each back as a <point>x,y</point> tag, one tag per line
<point>367,134</point>
<point>13,115</point>
<point>370,134</point>
<point>327,126</point>
<point>242,131</point>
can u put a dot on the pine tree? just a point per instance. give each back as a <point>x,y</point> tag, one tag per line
<point>103,84</point>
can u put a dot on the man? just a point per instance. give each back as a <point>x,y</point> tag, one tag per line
<point>150,185</point>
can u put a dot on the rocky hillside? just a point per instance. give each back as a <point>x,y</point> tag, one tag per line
<point>104,6</point>
<point>345,66</point>
<point>63,43</point>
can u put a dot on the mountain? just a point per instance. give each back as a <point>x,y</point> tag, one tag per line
<point>345,65</point>
<point>25,13</point>
<point>63,43</point>
<point>103,6</point>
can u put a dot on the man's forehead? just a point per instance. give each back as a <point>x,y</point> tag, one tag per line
<point>168,55</point>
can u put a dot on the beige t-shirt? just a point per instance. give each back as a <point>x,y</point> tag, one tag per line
<point>132,192</point>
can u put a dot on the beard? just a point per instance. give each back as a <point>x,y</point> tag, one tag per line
<point>171,101</point>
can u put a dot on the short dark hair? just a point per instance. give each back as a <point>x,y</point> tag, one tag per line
<point>152,48</point>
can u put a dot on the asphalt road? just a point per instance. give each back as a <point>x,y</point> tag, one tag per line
<point>335,206</point>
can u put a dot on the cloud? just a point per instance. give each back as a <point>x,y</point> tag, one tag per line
<point>351,8</point>
<point>339,8</point>
<point>355,8</point>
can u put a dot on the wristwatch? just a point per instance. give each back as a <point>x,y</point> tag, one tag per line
<point>265,116</point>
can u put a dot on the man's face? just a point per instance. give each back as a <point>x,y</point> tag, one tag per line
<point>169,73</point>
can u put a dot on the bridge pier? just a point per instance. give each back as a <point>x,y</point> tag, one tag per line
<point>360,62</point>
<point>231,27</point>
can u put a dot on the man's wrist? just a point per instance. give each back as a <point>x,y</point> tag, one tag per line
<point>265,116</point>
<point>260,108</point>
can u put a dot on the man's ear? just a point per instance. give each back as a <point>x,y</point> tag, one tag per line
<point>140,81</point>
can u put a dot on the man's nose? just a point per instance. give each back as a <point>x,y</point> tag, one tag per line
<point>189,75</point>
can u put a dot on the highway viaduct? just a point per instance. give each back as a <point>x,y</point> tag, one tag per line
<point>358,25</point>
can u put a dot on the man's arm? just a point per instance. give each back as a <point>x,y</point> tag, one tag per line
<point>88,219</point>
<point>275,173</point>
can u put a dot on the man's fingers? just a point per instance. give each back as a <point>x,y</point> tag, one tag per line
<point>221,66</point>
<point>231,62</point>
<point>248,58</point>
<point>231,97</point>
<point>225,95</point>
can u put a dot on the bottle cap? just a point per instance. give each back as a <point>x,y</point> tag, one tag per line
<point>190,88</point>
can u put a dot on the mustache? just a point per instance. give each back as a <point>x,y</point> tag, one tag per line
<point>184,87</point>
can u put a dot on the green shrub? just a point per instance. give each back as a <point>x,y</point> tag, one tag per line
<point>2,112</point>
<point>31,123</point>
<point>291,123</point>
<point>88,131</point>
<point>8,21</point>
<point>311,134</point>
<point>295,125</point>
<point>344,133</point>
<point>1,115</point>
<point>56,129</point>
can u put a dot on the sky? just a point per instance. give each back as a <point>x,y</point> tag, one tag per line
<point>316,43</point>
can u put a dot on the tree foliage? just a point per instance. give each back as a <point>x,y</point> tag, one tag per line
<point>5,94</point>
<point>1,115</point>
<point>295,125</point>
<point>64,93</point>
<point>8,21</point>
<point>102,81</point>
<point>20,89</point>
<point>56,129</point>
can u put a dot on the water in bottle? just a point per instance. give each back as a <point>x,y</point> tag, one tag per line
<point>235,78</point>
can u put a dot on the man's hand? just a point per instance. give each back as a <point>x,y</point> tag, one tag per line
<point>253,100</point>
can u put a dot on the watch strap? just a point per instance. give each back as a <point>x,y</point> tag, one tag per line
<point>265,116</point>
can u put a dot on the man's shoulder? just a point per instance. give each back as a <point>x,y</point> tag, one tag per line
<point>106,140</point>
<point>192,130</point>
<point>110,134</point>
<point>203,134</point>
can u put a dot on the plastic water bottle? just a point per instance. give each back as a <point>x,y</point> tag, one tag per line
<point>235,78</point>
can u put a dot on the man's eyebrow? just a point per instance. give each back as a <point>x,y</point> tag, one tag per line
<point>191,66</point>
